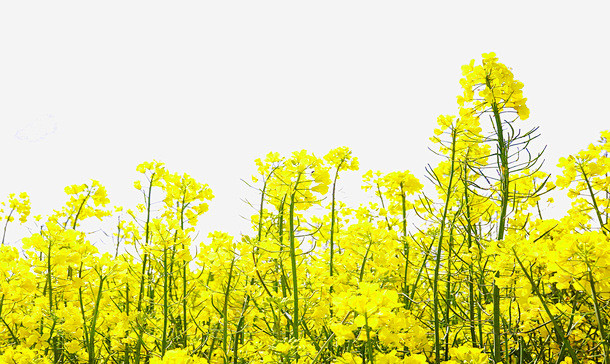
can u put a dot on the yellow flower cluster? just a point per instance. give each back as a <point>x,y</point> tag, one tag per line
<point>473,274</point>
<point>490,85</point>
<point>16,204</point>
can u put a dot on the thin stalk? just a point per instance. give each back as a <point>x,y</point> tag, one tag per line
<point>504,182</point>
<point>144,262</point>
<point>225,318</point>
<point>118,239</point>
<point>369,344</point>
<point>366,254</point>
<point>184,292</point>
<point>8,218</point>
<point>15,339</point>
<point>127,347</point>
<point>279,263</point>
<point>80,208</point>
<point>595,206</point>
<point>405,245</point>
<point>146,240</point>
<point>437,341</point>
<point>448,290</point>
<point>332,235</point>
<point>165,302</point>
<point>92,328</point>
<point>598,317</point>
<point>82,306</point>
<point>332,222</point>
<point>293,263</point>
<point>387,221</point>
<point>470,267</point>
<point>240,326</point>
<point>51,311</point>
<point>419,274</point>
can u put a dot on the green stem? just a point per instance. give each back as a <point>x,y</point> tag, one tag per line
<point>598,317</point>
<point>332,223</point>
<point>51,311</point>
<point>225,319</point>
<point>595,206</point>
<point>144,262</point>
<point>80,208</point>
<point>366,254</point>
<point>369,344</point>
<point>8,218</point>
<point>504,182</point>
<point>165,302</point>
<point>437,341</point>
<point>405,246</point>
<point>293,262</point>
<point>92,328</point>
<point>469,234</point>
<point>448,293</point>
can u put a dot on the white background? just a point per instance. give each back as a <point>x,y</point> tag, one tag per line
<point>90,90</point>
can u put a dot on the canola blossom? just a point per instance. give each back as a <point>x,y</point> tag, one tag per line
<point>474,273</point>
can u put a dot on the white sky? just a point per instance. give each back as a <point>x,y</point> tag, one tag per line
<point>90,90</point>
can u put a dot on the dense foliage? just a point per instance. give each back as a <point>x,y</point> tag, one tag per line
<point>473,274</point>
